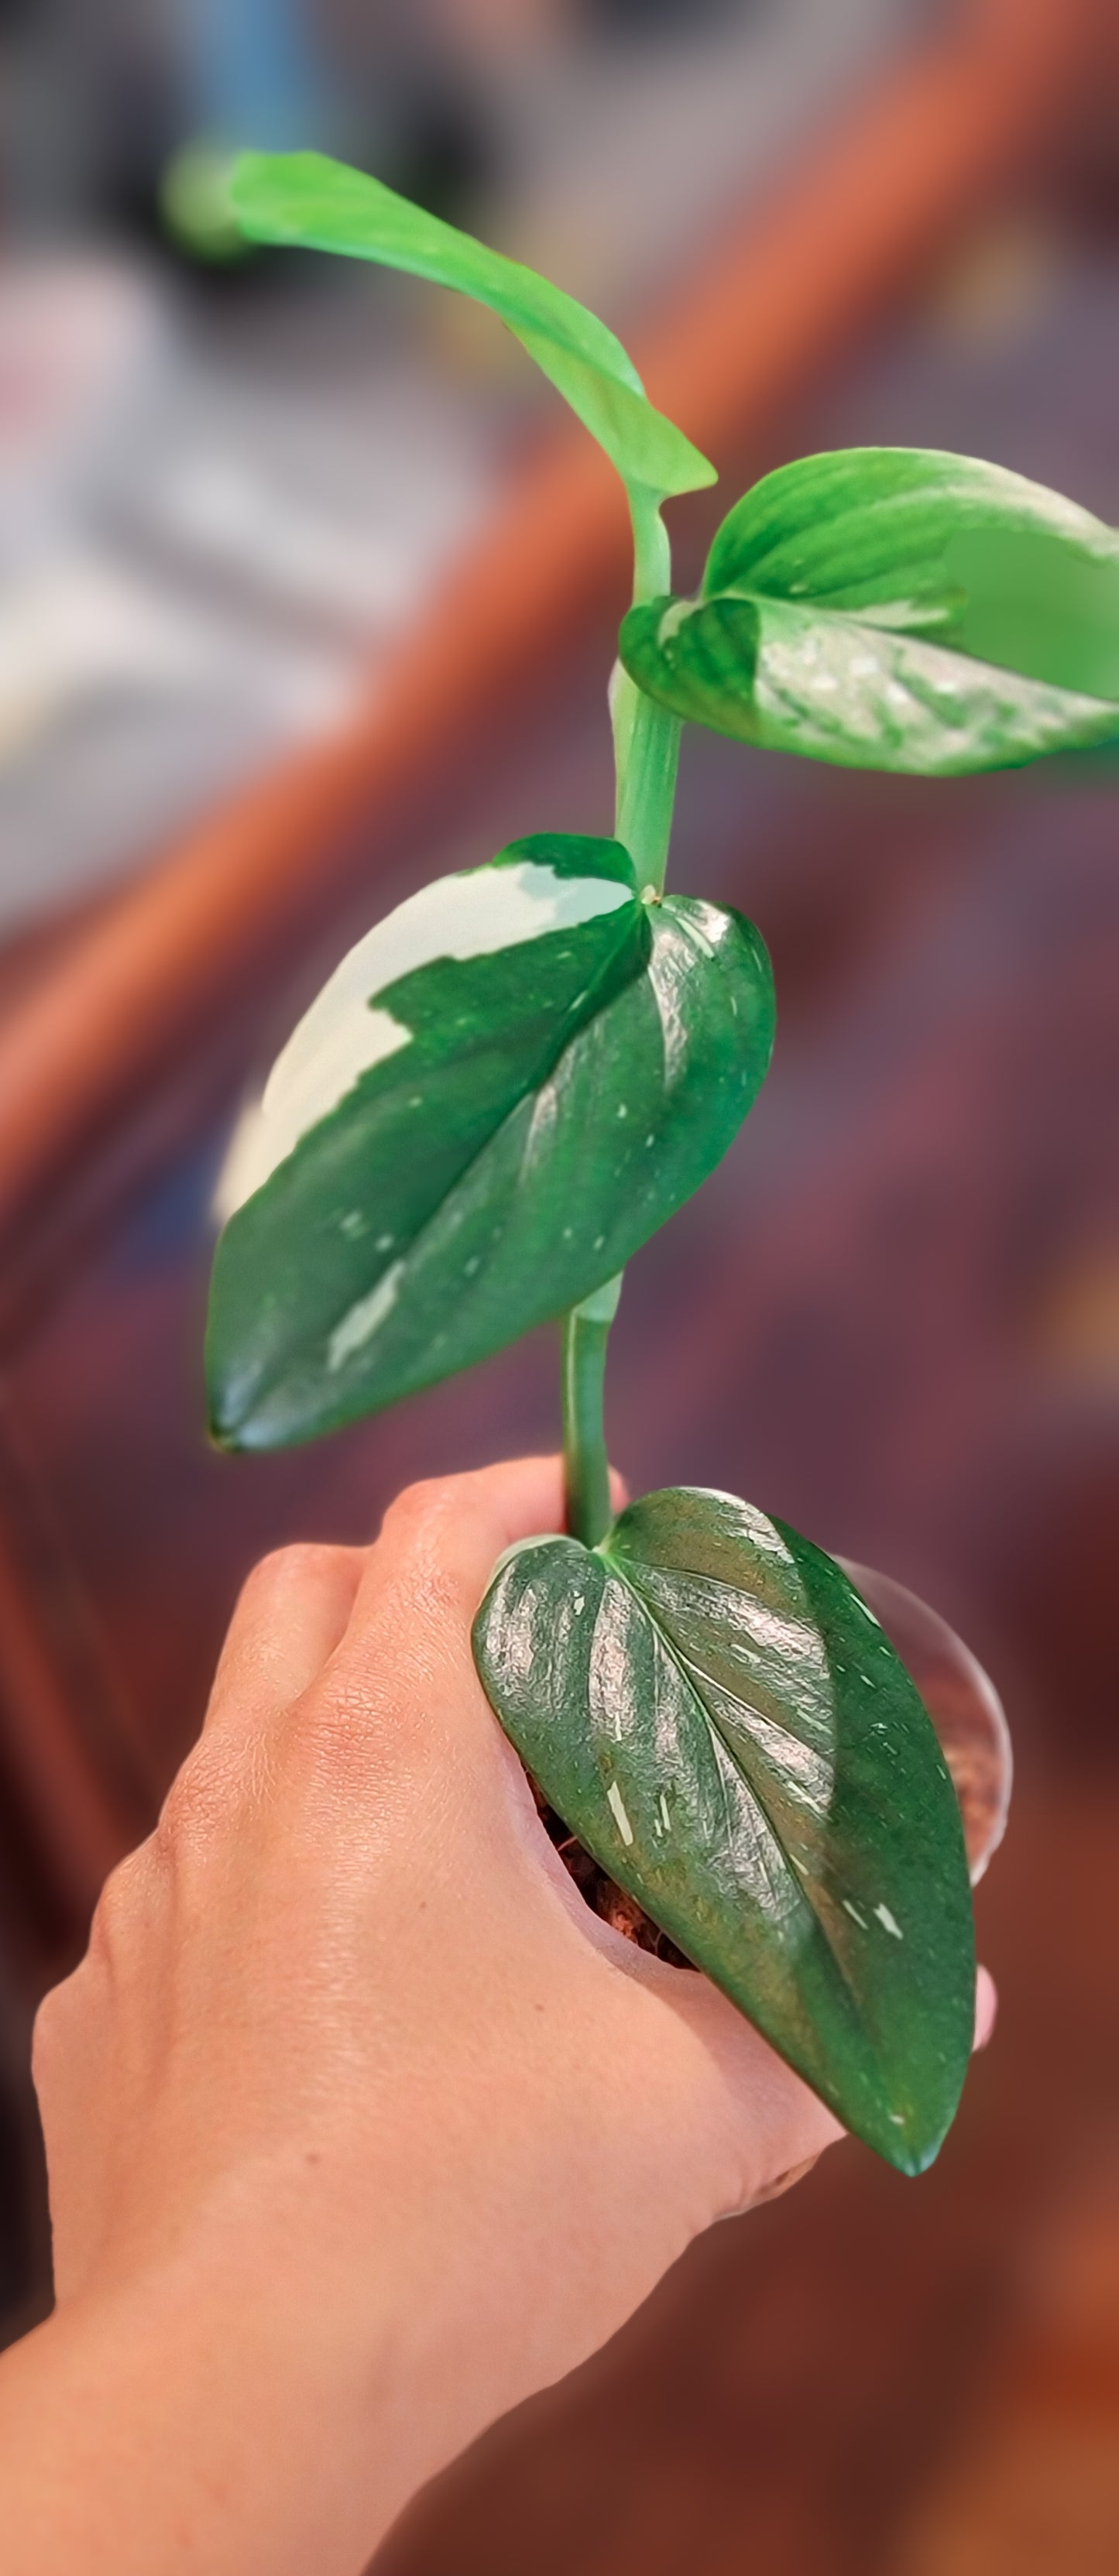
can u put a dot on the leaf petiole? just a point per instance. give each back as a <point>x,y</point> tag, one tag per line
<point>646,734</point>
<point>586,1331</point>
<point>646,757</point>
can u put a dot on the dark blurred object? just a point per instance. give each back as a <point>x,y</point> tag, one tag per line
<point>24,2232</point>
<point>653,17</point>
<point>100,94</point>
<point>64,1761</point>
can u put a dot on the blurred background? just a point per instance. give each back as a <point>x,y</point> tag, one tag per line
<point>308,592</point>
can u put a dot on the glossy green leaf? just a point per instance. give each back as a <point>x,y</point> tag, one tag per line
<point>721,1720</point>
<point>896,608</point>
<point>934,544</point>
<point>503,1090</point>
<point>320,204</point>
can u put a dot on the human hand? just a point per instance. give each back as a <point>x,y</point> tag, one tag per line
<point>352,2094</point>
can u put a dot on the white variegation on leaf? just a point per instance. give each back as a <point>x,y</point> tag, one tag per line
<point>475,913</point>
<point>499,1095</point>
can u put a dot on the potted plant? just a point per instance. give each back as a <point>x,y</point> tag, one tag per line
<point>506,1088</point>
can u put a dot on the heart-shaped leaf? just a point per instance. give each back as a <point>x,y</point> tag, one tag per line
<point>895,608</point>
<point>306,198</point>
<point>718,1716</point>
<point>502,1091</point>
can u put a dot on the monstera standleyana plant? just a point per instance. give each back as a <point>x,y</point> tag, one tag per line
<point>507,1086</point>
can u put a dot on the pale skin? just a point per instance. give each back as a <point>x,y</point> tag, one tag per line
<point>360,2126</point>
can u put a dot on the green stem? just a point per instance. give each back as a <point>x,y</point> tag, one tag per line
<point>646,752</point>
<point>646,736</point>
<point>586,1331</point>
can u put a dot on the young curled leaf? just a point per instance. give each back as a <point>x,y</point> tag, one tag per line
<point>895,608</point>
<point>721,1720</point>
<point>502,1091</point>
<point>308,199</point>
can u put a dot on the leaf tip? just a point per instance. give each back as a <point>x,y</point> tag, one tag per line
<point>702,473</point>
<point>222,1431</point>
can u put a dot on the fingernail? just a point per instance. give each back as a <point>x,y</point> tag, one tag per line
<point>986,2007</point>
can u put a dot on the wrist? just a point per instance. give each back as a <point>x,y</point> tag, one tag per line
<point>207,2411</point>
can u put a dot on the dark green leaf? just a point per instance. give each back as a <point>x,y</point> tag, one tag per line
<point>503,1091</point>
<point>895,608</point>
<point>306,198</point>
<point>721,1720</point>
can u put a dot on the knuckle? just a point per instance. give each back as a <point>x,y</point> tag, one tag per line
<point>332,1730</point>
<point>46,2034</point>
<point>114,1912</point>
<point>352,1746</point>
<point>194,1804</point>
<point>299,1567</point>
<point>420,1507</point>
<point>306,1560</point>
<point>437,1616</point>
<point>424,1586</point>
